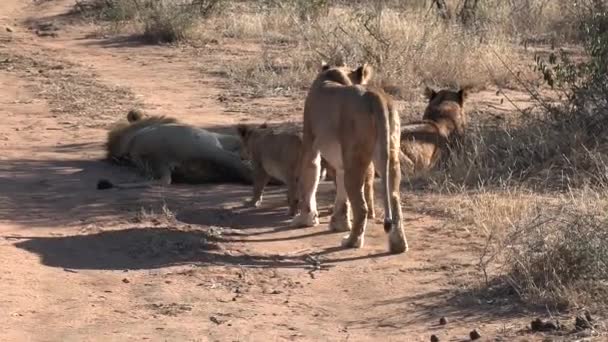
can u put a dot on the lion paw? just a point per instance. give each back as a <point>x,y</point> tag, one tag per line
<point>253,203</point>
<point>305,220</point>
<point>351,241</point>
<point>339,224</point>
<point>397,243</point>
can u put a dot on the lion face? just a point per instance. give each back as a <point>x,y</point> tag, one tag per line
<point>245,133</point>
<point>447,105</point>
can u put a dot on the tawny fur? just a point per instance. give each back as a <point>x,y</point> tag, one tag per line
<point>166,149</point>
<point>350,125</point>
<point>425,142</point>
<point>274,153</point>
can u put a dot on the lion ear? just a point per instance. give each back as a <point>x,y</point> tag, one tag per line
<point>363,74</point>
<point>429,93</point>
<point>135,115</point>
<point>463,94</point>
<point>324,66</point>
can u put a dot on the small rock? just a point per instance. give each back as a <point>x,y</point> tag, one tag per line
<point>443,321</point>
<point>474,335</point>
<point>9,29</point>
<point>539,325</point>
<point>215,320</point>
<point>125,280</point>
<point>434,338</point>
<point>46,34</point>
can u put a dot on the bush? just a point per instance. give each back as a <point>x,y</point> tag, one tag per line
<point>552,254</point>
<point>158,20</point>
<point>167,22</point>
<point>559,257</point>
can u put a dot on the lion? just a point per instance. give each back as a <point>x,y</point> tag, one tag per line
<point>170,151</point>
<point>424,143</point>
<point>351,124</point>
<point>273,152</point>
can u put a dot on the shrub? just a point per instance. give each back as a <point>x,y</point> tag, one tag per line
<point>559,257</point>
<point>158,20</point>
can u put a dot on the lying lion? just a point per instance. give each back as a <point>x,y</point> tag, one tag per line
<point>351,124</point>
<point>425,142</point>
<point>167,150</point>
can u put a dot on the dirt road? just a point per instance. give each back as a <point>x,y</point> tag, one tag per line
<point>77,264</point>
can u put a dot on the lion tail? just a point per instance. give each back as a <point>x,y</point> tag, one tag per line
<point>383,129</point>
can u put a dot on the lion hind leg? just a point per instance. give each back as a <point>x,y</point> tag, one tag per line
<point>310,169</point>
<point>381,166</point>
<point>229,163</point>
<point>354,183</point>
<point>340,220</point>
<point>397,241</point>
<point>369,191</point>
<point>163,172</point>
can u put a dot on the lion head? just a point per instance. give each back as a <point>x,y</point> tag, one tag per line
<point>345,75</point>
<point>447,106</point>
<point>245,132</point>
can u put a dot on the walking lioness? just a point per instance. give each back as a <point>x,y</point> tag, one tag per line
<point>351,124</point>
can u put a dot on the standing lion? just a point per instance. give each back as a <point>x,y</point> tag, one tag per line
<point>351,124</point>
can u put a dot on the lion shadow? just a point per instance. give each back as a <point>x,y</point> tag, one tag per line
<point>141,248</point>
<point>63,192</point>
<point>154,248</point>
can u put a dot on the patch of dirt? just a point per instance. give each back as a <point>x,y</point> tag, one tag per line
<point>81,264</point>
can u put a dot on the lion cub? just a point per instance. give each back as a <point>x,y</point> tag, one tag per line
<point>273,152</point>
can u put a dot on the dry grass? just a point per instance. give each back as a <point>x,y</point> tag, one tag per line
<point>155,21</point>
<point>423,51</point>
<point>550,249</point>
<point>408,43</point>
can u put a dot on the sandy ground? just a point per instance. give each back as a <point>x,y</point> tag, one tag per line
<point>78,264</point>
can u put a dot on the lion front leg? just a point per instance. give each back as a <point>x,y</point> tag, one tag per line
<point>354,183</point>
<point>260,180</point>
